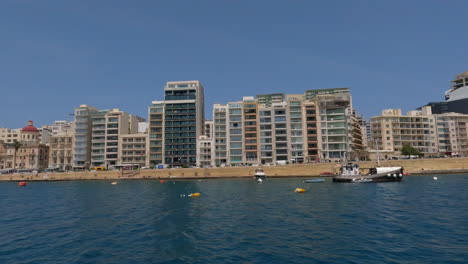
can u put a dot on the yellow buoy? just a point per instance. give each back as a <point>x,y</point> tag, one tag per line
<point>300,190</point>
<point>194,195</point>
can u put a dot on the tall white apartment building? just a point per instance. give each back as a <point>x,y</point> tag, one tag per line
<point>107,127</point>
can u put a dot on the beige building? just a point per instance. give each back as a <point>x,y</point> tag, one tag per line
<point>205,150</point>
<point>392,130</point>
<point>319,125</point>
<point>61,151</point>
<point>3,155</point>
<point>31,154</point>
<point>452,137</point>
<point>107,127</point>
<point>8,135</point>
<point>133,149</point>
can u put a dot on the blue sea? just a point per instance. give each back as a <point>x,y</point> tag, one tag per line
<point>418,220</point>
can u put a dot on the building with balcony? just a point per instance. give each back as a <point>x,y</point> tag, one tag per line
<point>61,151</point>
<point>204,151</point>
<point>184,117</point>
<point>335,117</point>
<point>9,135</point>
<point>391,130</point>
<point>220,138</point>
<point>278,128</point>
<point>82,136</point>
<point>107,127</point>
<point>451,131</point>
<point>31,154</point>
<point>156,133</point>
<point>133,149</point>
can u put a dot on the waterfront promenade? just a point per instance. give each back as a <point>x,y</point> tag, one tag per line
<point>414,167</point>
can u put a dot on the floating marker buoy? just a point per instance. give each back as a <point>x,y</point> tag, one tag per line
<point>114,183</point>
<point>299,190</point>
<point>22,184</point>
<point>194,195</point>
<point>259,180</point>
<point>161,181</point>
<point>435,178</point>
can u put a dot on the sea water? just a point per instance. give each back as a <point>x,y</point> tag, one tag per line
<point>418,220</point>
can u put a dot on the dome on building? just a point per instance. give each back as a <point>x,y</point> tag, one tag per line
<point>29,127</point>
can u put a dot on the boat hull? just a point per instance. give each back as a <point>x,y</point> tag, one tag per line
<point>383,177</point>
<point>314,180</point>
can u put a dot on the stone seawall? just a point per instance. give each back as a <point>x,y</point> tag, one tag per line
<point>419,166</point>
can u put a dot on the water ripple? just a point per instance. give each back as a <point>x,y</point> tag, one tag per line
<point>235,221</point>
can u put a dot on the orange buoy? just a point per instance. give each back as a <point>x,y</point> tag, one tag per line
<point>22,184</point>
<point>161,181</point>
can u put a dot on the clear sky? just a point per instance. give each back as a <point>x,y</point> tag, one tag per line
<point>56,55</point>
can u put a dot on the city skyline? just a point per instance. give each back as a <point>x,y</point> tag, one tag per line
<point>57,55</point>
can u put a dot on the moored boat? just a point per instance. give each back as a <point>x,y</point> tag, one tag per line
<point>327,174</point>
<point>259,174</point>
<point>352,173</point>
<point>314,180</point>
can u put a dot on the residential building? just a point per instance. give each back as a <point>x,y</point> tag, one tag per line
<point>3,155</point>
<point>9,135</point>
<point>31,155</point>
<point>183,122</point>
<point>44,135</point>
<point>205,146</point>
<point>279,129</point>
<point>335,122</point>
<point>61,151</point>
<point>391,130</point>
<point>204,151</point>
<point>156,133</point>
<point>310,129</point>
<point>220,134</point>
<point>107,127</point>
<point>133,150</point>
<point>82,136</point>
<point>234,135</point>
<point>60,127</point>
<point>452,137</point>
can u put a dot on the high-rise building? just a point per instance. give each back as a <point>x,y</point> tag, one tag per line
<point>234,135</point>
<point>181,116</point>
<point>336,123</point>
<point>280,129</point>
<point>107,127</point>
<point>220,138</point>
<point>156,133</point>
<point>82,136</point>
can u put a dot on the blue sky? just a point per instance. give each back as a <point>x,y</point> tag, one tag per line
<point>56,55</point>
